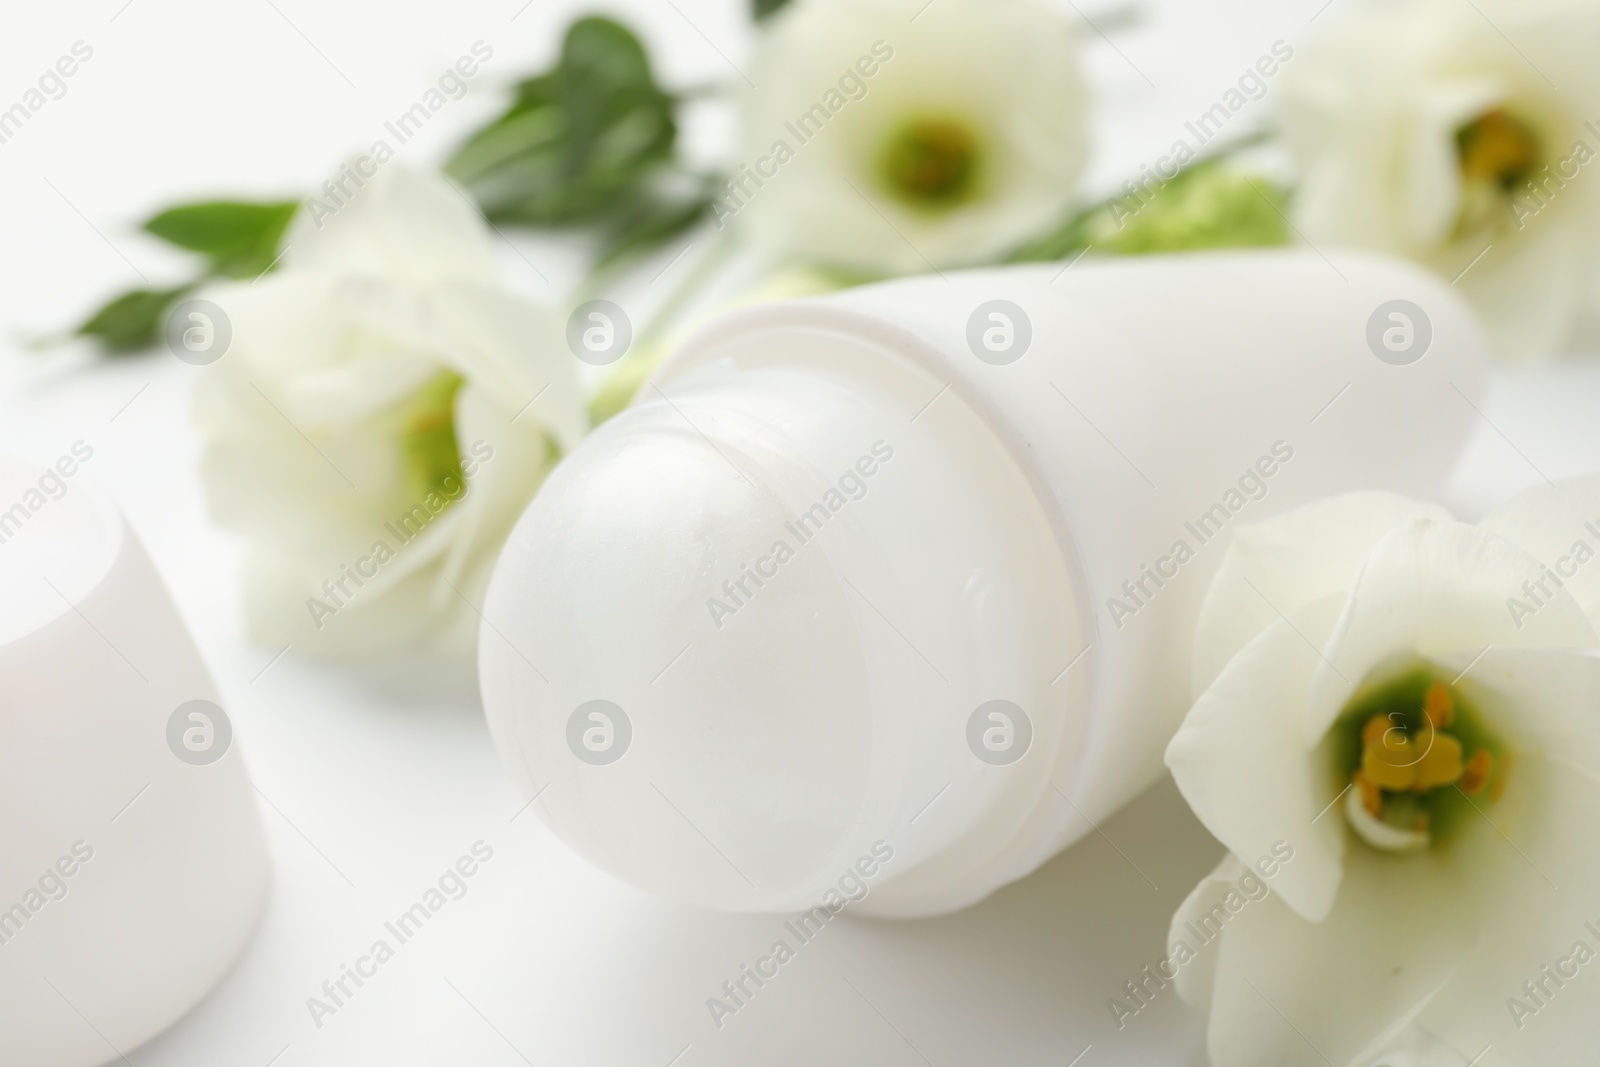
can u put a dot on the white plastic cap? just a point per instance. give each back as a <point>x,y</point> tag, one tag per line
<point>59,535</point>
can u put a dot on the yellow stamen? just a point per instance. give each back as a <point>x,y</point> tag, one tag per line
<point>1372,733</point>
<point>1476,774</point>
<point>1390,756</point>
<point>1371,795</point>
<point>1420,762</point>
<point>1440,763</point>
<point>1497,786</point>
<point>1414,734</point>
<point>1439,707</point>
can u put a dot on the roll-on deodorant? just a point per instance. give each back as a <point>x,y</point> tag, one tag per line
<point>893,590</point>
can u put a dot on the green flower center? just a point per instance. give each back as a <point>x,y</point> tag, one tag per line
<point>1418,758</point>
<point>1498,154</point>
<point>428,438</point>
<point>1497,149</point>
<point>932,162</point>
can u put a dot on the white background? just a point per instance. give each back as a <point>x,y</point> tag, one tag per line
<point>379,778</point>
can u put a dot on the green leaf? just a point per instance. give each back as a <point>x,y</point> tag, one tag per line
<point>132,321</point>
<point>579,142</point>
<point>655,219</point>
<point>238,238</point>
<point>762,8</point>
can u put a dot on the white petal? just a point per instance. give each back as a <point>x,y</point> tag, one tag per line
<point>1434,589</point>
<point>1544,701</point>
<point>1416,1047</point>
<point>1560,525</point>
<point>1529,291</point>
<point>346,393</point>
<point>502,484</point>
<point>514,351</point>
<point>1548,873</point>
<point>1430,186</point>
<point>402,617</point>
<point>1291,992</point>
<point>269,339</point>
<point>404,225</point>
<point>1290,560</point>
<point>1243,762</point>
<point>1195,979</point>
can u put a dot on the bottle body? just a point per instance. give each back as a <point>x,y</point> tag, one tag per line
<point>971,655</point>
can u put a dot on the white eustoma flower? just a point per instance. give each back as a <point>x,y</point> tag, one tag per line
<point>383,414</point>
<point>1448,130</point>
<point>1412,706</point>
<point>893,136</point>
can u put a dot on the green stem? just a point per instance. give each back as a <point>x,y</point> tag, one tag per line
<point>683,294</point>
<point>703,91</point>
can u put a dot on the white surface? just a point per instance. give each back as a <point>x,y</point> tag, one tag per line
<point>377,780</point>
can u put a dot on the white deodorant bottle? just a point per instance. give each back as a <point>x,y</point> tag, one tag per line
<point>897,586</point>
